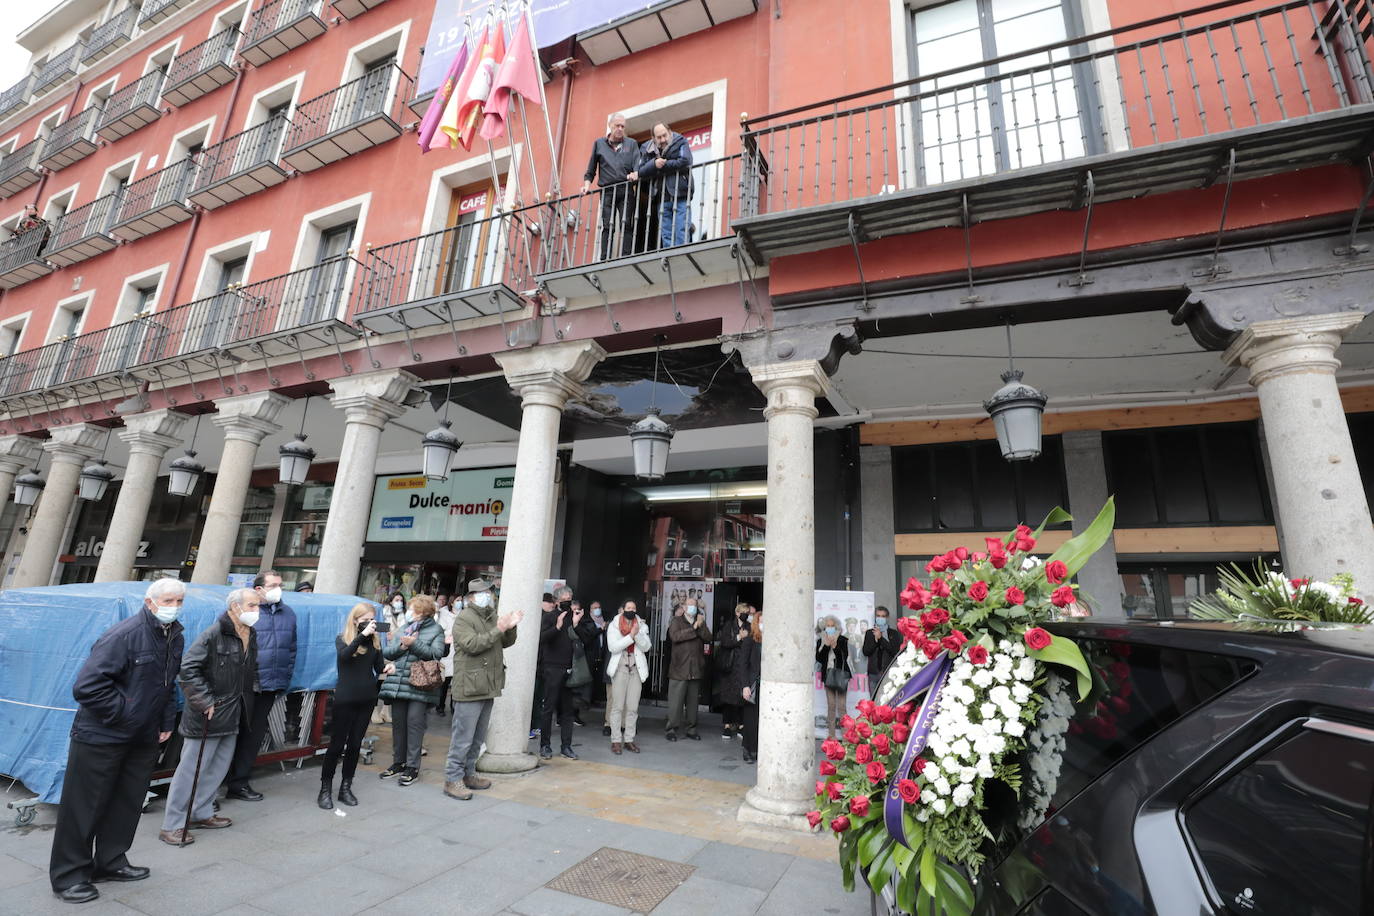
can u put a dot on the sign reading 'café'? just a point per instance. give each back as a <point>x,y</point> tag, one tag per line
<point>469,506</point>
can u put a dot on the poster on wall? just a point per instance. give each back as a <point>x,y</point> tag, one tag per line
<point>469,506</point>
<point>678,591</point>
<point>854,613</point>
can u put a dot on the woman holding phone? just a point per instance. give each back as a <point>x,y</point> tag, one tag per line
<point>359,657</point>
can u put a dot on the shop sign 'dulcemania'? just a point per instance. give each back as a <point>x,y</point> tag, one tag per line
<point>469,506</point>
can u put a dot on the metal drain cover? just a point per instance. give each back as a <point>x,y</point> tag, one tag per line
<point>622,878</point>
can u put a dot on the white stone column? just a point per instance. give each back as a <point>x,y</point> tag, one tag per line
<point>17,455</point>
<point>545,377</point>
<point>1321,499</point>
<point>149,436</point>
<point>878,526</point>
<point>368,401</point>
<point>70,447</point>
<point>246,419</point>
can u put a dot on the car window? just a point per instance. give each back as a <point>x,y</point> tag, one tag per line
<point>1286,833</point>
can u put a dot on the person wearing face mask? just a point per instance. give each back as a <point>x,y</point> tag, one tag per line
<point>480,638</point>
<point>882,642</point>
<point>358,654</point>
<point>730,636</point>
<point>217,677</point>
<point>832,661</point>
<point>597,659</point>
<point>419,640</point>
<point>751,667</point>
<point>689,636</point>
<point>276,629</point>
<point>627,640</point>
<point>558,630</point>
<point>126,704</point>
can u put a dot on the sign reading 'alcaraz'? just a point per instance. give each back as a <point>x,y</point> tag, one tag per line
<point>469,506</point>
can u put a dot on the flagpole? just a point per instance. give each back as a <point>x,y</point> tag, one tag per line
<point>543,103</point>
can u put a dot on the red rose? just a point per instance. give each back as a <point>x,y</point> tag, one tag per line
<point>836,789</point>
<point>1025,545</point>
<point>1037,638</point>
<point>865,707</point>
<point>1354,601</point>
<point>914,596</point>
<point>832,749</point>
<point>994,545</point>
<point>937,564</point>
<point>900,732</point>
<point>910,628</point>
<point>1055,572</point>
<point>978,591</point>
<point>954,642</point>
<point>1120,705</point>
<point>876,772</point>
<point>977,655</point>
<point>939,615</point>
<point>840,824</point>
<point>882,745</point>
<point>904,712</point>
<point>814,818</point>
<point>882,714</point>
<point>821,786</point>
<point>863,754</point>
<point>847,722</point>
<point>961,553</point>
<point>998,560</point>
<point>1015,596</point>
<point>952,561</point>
<point>1062,596</point>
<point>858,805</point>
<point>865,729</point>
<point>931,649</point>
<point>1298,583</point>
<point>919,765</point>
<point>851,735</point>
<point>979,557</point>
<point>828,768</point>
<point>939,588</point>
<point>910,792</point>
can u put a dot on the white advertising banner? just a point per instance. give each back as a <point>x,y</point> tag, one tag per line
<point>854,611</point>
<point>469,506</point>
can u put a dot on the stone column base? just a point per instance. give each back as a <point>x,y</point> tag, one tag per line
<point>772,813</point>
<point>507,763</point>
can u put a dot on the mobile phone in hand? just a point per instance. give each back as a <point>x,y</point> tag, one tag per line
<point>383,626</point>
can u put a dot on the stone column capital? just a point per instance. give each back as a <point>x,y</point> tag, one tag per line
<point>76,444</point>
<point>153,432</point>
<point>791,387</point>
<point>372,398</point>
<point>823,343</point>
<point>1286,346</point>
<point>550,374</point>
<point>18,453</point>
<point>250,417</point>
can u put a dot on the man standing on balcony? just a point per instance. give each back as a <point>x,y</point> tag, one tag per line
<point>276,631</point>
<point>613,162</point>
<point>666,166</point>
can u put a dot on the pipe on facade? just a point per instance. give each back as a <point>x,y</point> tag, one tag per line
<point>568,67</point>
<point>43,179</point>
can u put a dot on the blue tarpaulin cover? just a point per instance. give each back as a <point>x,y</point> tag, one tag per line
<point>46,634</point>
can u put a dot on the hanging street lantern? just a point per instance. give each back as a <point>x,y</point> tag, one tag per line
<point>1016,410</point>
<point>650,441</point>
<point>295,455</point>
<point>94,481</point>
<point>28,487</point>
<point>438,448</point>
<point>184,474</point>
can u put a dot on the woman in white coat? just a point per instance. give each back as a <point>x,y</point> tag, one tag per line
<point>628,644</point>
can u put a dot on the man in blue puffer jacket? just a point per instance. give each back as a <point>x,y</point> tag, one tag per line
<point>276,629</point>
<point>665,169</point>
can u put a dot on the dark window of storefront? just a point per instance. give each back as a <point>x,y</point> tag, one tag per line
<point>968,486</point>
<point>1362,435</point>
<point>1187,475</point>
<point>257,516</point>
<point>303,521</point>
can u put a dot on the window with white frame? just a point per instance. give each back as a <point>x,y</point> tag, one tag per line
<point>11,341</point>
<point>59,203</point>
<point>318,290</point>
<point>98,96</point>
<point>136,335</point>
<point>221,311</point>
<point>50,123</point>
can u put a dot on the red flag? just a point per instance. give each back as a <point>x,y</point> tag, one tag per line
<point>471,108</point>
<point>519,73</point>
<point>451,123</point>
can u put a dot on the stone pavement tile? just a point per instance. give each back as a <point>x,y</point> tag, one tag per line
<point>243,909</point>
<point>217,884</point>
<point>741,865</point>
<point>813,887</point>
<point>699,894</point>
<point>36,899</point>
<point>481,886</point>
<point>346,889</point>
<point>484,828</point>
<point>322,850</point>
<point>14,872</point>
<point>546,902</point>
<point>529,813</point>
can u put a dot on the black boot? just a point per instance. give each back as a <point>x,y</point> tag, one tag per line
<point>324,801</point>
<point>346,796</point>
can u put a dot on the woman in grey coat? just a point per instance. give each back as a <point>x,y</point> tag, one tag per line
<point>420,639</point>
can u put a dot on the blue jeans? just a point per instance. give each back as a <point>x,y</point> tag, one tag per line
<point>672,223</point>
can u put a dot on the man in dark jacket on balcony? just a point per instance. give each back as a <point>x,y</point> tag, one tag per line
<point>126,707</point>
<point>665,173</point>
<point>613,162</point>
<point>276,629</point>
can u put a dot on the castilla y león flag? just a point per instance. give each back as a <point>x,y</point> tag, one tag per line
<point>518,73</point>
<point>429,125</point>
<point>469,102</point>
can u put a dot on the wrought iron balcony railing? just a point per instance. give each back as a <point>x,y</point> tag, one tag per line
<point>1225,91</point>
<point>21,257</point>
<point>16,96</point>
<point>348,119</point>
<point>201,69</point>
<point>240,165</point>
<point>84,232</point>
<point>110,35</point>
<point>154,11</point>
<point>132,107</point>
<point>155,201</point>
<point>19,169</point>
<point>72,140</point>
<point>278,26</point>
<point>59,67</point>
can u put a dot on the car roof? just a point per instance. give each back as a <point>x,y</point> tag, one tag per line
<point>1340,639</point>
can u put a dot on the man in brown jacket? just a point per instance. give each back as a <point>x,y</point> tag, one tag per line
<point>689,635</point>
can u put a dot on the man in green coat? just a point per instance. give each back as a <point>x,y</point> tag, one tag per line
<point>479,672</point>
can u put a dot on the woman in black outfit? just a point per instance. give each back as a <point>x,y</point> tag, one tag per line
<point>360,666</point>
<point>750,669</point>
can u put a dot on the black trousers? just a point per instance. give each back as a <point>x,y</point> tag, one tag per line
<point>443,694</point>
<point>731,714</point>
<point>102,797</point>
<point>618,206</point>
<point>557,698</point>
<point>347,728</point>
<point>751,727</point>
<point>251,732</point>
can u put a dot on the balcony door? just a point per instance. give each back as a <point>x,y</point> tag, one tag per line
<point>464,249</point>
<point>212,322</point>
<point>980,119</point>
<point>371,90</point>
<point>68,353</point>
<point>324,284</point>
<point>260,143</point>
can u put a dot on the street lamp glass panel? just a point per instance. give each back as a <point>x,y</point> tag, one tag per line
<point>295,460</point>
<point>184,474</point>
<point>94,481</point>
<point>28,487</point>
<point>438,448</point>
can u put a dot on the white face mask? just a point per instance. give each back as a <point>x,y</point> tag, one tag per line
<point>166,614</point>
<point>272,595</point>
<point>248,618</point>
<point>398,604</point>
<point>482,599</point>
<point>691,612</point>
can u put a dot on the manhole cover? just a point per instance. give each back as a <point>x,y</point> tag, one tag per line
<point>623,879</point>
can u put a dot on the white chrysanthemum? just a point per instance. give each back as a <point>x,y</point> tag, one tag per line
<point>1031,562</point>
<point>985,768</point>
<point>982,678</point>
<point>939,806</point>
<point>1016,728</point>
<point>922,815</point>
<point>961,749</point>
<point>989,709</point>
<point>1020,693</point>
<point>967,774</point>
<point>1026,669</point>
<point>999,695</point>
<point>962,795</point>
<point>941,787</point>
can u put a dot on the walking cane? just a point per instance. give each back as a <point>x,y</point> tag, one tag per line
<point>195,781</point>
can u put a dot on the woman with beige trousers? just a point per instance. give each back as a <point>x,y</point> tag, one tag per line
<point>628,644</point>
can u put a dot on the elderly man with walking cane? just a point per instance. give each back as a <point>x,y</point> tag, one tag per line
<point>216,678</point>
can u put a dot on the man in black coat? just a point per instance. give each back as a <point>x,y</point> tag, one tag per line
<point>557,630</point>
<point>126,709</point>
<point>881,645</point>
<point>612,164</point>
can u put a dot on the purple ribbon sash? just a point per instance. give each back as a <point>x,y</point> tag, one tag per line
<point>931,679</point>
